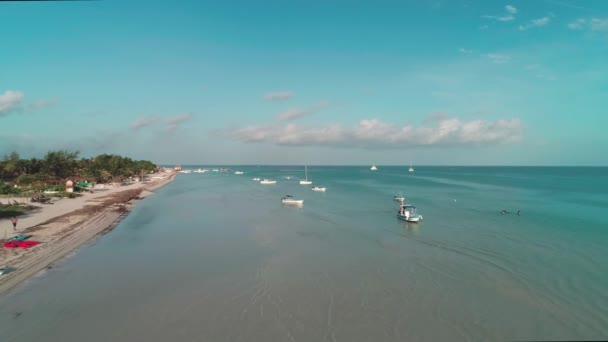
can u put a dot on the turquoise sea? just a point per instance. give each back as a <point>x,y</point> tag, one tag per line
<point>216,257</point>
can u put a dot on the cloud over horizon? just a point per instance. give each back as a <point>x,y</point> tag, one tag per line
<point>10,101</point>
<point>535,23</point>
<point>175,121</point>
<point>277,96</point>
<point>295,113</point>
<point>144,121</point>
<point>374,133</point>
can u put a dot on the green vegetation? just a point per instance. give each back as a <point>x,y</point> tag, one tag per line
<point>51,172</point>
<point>14,210</point>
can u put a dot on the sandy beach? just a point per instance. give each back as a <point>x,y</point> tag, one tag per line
<point>67,224</point>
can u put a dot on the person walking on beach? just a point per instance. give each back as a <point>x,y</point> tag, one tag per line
<point>14,222</point>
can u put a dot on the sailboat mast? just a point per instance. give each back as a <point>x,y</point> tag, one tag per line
<point>306,171</point>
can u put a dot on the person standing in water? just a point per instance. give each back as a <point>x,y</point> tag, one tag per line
<point>14,222</point>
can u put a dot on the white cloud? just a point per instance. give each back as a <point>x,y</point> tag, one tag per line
<point>535,23</point>
<point>599,25</point>
<point>579,24</point>
<point>295,113</point>
<point>375,134</point>
<point>144,121</point>
<point>498,58</point>
<point>175,121</point>
<point>511,9</point>
<point>593,24</point>
<point>10,101</point>
<point>42,104</point>
<point>465,51</point>
<point>507,17</point>
<point>277,96</point>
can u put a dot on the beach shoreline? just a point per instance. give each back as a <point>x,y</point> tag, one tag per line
<point>68,225</point>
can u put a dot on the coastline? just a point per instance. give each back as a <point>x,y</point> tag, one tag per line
<point>67,227</point>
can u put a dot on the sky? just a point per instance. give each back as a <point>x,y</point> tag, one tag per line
<point>308,82</point>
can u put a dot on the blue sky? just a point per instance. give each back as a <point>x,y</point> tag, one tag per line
<point>316,82</point>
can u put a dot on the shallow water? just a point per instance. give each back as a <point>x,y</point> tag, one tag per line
<point>216,257</point>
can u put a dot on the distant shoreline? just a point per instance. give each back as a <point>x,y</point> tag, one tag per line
<point>61,233</point>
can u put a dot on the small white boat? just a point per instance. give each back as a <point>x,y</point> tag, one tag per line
<point>186,171</point>
<point>318,188</point>
<point>216,170</point>
<point>268,181</point>
<point>305,181</point>
<point>407,212</point>
<point>399,198</point>
<point>411,169</point>
<point>288,199</point>
<point>373,168</point>
<point>238,172</point>
<point>199,170</point>
<point>256,179</point>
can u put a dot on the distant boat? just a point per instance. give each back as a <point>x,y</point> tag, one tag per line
<point>411,169</point>
<point>199,170</point>
<point>399,198</point>
<point>305,181</point>
<point>256,179</point>
<point>408,212</point>
<point>317,188</point>
<point>288,199</point>
<point>216,170</point>
<point>268,181</point>
<point>238,172</point>
<point>185,171</point>
<point>373,168</point>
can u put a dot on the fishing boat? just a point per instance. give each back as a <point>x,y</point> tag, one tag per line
<point>268,181</point>
<point>238,172</point>
<point>305,181</point>
<point>373,168</point>
<point>399,198</point>
<point>411,169</point>
<point>255,179</point>
<point>408,212</point>
<point>288,199</point>
<point>318,188</point>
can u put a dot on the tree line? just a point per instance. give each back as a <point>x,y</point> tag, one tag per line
<point>57,166</point>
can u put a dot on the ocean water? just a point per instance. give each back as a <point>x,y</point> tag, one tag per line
<point>216,257</point>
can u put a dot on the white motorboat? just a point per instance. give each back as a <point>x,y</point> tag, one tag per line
<point>199,170</point>
<point>288,199</point>
<point>408,212</point>
<point>268,181</point>
<point>238,172</point>
<point>305,181</point>
<point>373,168</point>
<point>399,198</point>
<point>318,188</point>
<point>256,179</point>
<point>185,171</point>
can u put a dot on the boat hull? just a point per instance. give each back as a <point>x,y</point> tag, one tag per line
<point>415,218</point>
<point>293,202</point>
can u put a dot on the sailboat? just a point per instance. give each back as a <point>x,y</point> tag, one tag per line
<point>305,181</point>
<point>411,169</point>
<point>373,168</point>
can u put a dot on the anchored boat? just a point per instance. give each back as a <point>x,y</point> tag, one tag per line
<point>288,199</point>
<point>408,212</point>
